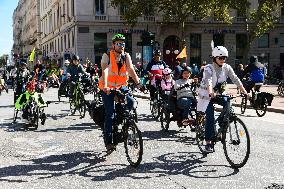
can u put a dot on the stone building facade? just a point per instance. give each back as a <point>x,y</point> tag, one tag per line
<point>85,27</point>
<point>26,31</point>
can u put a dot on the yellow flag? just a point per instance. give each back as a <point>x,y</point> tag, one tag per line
<point>32,55</point>
<point>182,54</point>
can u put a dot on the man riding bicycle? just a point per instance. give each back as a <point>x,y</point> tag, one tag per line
<point>73,72</point>
<point>155,70</point>
<point>213,82</point>
<point>116,66</point>
<point>256,73</point>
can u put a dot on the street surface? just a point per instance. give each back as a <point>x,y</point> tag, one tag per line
<point>68,152</point>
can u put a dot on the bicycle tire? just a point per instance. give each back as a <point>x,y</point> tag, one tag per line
<point>82,109</point>
<point>36,118</point>
<point>15,115</point>
<point>165,120</point>
<point>235,141</point>
<point>244,104</point>
<point>155,110</point>
<point>200,134</point>
<point>129,141</point>
<point>58,95</point>
<point>261,109</point>
<point>72,107</point>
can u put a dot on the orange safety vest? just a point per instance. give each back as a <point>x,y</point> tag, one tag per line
<point>116,78</point>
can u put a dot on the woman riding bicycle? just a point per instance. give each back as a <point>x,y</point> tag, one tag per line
<point>213,82</point>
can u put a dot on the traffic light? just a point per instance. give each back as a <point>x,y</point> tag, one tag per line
<point>147,38</point>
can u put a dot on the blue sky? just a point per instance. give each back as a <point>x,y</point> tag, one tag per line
<point>6,31</point>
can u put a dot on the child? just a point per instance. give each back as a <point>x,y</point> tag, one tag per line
<point>167,82</point>
<point>184,94</point>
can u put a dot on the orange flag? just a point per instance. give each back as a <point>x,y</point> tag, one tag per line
<point>182,54</point>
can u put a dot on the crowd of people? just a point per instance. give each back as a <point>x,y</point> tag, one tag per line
<point>116,67</point>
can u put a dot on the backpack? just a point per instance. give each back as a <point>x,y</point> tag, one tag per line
<point>257,75</point>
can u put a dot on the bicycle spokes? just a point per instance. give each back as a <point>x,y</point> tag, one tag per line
<point>236,143</point>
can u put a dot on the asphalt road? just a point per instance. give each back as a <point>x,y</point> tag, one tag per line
<point>68,152</point>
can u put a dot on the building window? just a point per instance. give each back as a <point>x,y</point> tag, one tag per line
<point>281,40</point>
<point>128,43</point>
<point>83,29</point>
<point>263,41</point>
<point>219,39</point>
<point>195,49</point>
<point>100,46</point>
<point>123,9</point>
<point>100,7</point>
<point>241,43</point>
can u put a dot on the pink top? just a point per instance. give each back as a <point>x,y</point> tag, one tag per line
<point>167,84</point>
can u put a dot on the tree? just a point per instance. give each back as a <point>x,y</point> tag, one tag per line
<point>258,21</point>
<point>175,12</point>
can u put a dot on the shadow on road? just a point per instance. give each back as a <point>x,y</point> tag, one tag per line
<point>51,166</point>
<point>188,164</point>
<point>75,127</point>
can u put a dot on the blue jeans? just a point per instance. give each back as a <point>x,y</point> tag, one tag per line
<point>184,104</point>
<point>210,119</point>
<point>109,105</point>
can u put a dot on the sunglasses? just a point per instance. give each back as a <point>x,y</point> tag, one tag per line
<point>222,57</point>
<point>120,44</point>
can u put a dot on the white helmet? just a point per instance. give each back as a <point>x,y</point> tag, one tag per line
<point>66,62</point>
<point>167,71</point>
<point>220,51</point>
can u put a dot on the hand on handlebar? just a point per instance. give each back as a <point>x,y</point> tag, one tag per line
<point>107,90</point>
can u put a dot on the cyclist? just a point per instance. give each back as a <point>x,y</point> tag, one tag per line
<point>256,73</point>
<point>213,82</point>
<point>73,72</point>
<point>24,98</point>
<point>64,80</point>
<point>22,78</point>
<point>184,95</point>
<point>116,66</point>
<point>155,70</point>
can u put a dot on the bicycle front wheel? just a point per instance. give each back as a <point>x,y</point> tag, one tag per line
<point>82,106</point>
<point>165,120</point>
<point>236,143</point>
<point>72,106</point>
<point>133,144</point>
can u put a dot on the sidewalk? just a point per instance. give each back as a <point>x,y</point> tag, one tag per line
<point>277,105</point>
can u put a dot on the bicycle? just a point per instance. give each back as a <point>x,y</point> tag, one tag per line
<point>125,129</point>
<point>156,102</point>
<point>259,104</point>
<point>33,112</point>
<point>77,102</point>
<point>232,133</point>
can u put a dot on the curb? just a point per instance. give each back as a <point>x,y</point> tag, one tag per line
<point>269,109</point>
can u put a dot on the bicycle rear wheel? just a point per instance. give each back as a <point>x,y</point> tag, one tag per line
<point>236,143</point>
<point>133,144</point>
<point>244,104</point>
<point>261,108</point>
